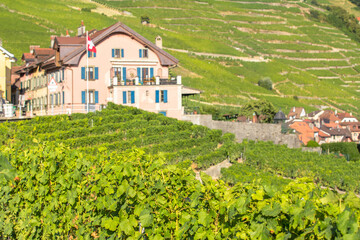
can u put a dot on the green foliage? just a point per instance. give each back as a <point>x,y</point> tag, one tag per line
<point>66,194</point>
<point>285,39</point>
<point>6,170</point>
<point>312,143</point>
<point>350,149</point>
<point>265,83</point>
<point>260,108</point>
<point>124,172</point>
<point>145,19</point>
<point>86,9</point>
<point>327,170</point>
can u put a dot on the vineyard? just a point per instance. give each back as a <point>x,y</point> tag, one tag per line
<point>123,173</point>
<point>224,47</point>
<point>327,170</point>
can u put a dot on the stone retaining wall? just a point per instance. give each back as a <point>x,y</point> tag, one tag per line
<point>251,131</point>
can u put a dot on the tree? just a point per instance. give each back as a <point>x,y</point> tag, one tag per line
<point>145,19</point>
<point>265,83</point>
<point>261,108</point>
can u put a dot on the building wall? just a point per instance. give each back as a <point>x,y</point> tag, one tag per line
<point>72,86</point>
<point>145,98</point>
<point>251,131</point>
<point>5,76</point>
<point>105,62</point>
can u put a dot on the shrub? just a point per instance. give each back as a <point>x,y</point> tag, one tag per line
<point>86,9</point>
<point>265,83</point>
<point>350,150</point>
<point>312,143</point>
<point>145,19</point>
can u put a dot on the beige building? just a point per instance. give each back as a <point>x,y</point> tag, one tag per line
<point>6,60</point>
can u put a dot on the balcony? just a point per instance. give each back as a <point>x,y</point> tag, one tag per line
<point>144,82</point>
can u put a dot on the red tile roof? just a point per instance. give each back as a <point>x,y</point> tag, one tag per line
<point>28,56</point>
<point>44,51</point>
<point>70,40</point>
<point>295,111</point>
<point>306,133</point>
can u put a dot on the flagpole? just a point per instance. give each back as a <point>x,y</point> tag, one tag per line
<point>87,74</point>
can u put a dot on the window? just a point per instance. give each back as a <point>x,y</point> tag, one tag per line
<point>51,99</point>
<point>143,53</point>
<point>145,73</point>
<point>128,97</point>
<point>56,99</point>
<point>117,72</point>
<point>93,73</point>
<point>161,96</point>
<point>91,54</point>
<point>117,52</point>
<point>93,96</point>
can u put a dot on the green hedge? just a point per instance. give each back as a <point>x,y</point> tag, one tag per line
<point>350,149</point>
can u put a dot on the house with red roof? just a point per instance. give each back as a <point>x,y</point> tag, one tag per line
<point>306,131</point>
<point>296,113</point>
<point>126,69</point>
<point>354,128</point>
<point>346,117</point>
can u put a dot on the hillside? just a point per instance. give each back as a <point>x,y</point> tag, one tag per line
<point>123,173</point>
<point>224,46</point>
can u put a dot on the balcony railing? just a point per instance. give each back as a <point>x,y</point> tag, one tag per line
<point>143,82</point>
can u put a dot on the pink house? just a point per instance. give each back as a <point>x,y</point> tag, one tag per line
<point>127,69</point>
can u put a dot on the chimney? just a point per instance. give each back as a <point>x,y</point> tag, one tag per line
<point>67,33</point>
<point>293,109</point>
<point>81,29</point>
<point>254,118</point>
<point>335,112</point>
<point>52,41</point>
<point>158,42</point>
<point>32,47</point>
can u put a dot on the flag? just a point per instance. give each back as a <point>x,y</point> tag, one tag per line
<point>90,45</point>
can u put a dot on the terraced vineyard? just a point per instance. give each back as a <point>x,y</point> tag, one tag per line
<point>123,173</point>
<point>277,163</point>
<point>224,46</point>
<point>122,129</point>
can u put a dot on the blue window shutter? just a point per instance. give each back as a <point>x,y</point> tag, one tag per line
<point>139,73</point>
<point>82,72</point>
<point>63,74</point>
<point>132,96</point>
<point>96,96</point>
<point>83,96</point>
<point>157,97</point>
<point>163,113</point>
<point>96,73</point>
<point>124,73</point>
<point>122,52</point>
<point>165,96</point>
<point>94,54</point>
<point>89,53</point>
<point>112,52</point>
<point>124,97</point>
<point>140,53</point>
<point>151,72</point>
<point>63,97</point>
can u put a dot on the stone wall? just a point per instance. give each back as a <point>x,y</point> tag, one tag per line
<point>251,131</point>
